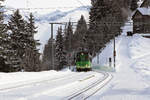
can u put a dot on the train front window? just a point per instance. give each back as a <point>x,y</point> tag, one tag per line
<point>82,57</point>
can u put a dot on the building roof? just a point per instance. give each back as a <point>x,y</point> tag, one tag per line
<point>144,11</point>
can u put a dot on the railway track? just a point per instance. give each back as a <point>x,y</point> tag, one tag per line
<point>91,89</point>
<point>81,94</point>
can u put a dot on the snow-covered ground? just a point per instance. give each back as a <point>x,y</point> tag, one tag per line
<point>50,85</point>
<point>132,77</point>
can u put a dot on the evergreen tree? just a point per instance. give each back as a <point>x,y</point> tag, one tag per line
<point>105,21</point>
<point>31,61</point>
<point>47,55</point>
<point>18,34</point>
<point>68,42</point>
<point>95,35</point>
<point>60,53</point>
<point>31,58</point>
<point>134,5</point>
<point>98,10</point>
<point>113,21</point>
<point>32,30</point>
<point>68,37</point>
<point>3,44</point>
<point>79,35</point>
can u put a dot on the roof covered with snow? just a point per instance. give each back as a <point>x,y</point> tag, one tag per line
<point>144,11</point>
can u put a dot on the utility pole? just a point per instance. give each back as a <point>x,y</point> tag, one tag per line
<point>97,58</point>
<point>52,42</point>
<point>114,53</point>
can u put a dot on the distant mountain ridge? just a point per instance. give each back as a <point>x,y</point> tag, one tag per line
<point>54,16</point>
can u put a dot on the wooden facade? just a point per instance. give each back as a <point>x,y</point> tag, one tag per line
<point>141,18</point>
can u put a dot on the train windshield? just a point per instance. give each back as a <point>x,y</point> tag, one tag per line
<point>82,56</point>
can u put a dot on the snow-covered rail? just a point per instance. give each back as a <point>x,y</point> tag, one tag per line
<point>91,89</point>
<point>34,82</point>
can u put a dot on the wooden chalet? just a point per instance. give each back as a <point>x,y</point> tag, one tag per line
<point>141,18</point>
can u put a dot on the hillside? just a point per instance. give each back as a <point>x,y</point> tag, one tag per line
<point>132,73</point>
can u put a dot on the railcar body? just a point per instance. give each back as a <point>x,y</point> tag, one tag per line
<point>83,62</point>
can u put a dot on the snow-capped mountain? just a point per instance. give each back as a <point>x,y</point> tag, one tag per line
<point>42,22</point>
<point>58,14</point>
<point>47,11</point>
<point>46,3</point>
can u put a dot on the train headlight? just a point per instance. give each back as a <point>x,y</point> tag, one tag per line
<point>87,65</point>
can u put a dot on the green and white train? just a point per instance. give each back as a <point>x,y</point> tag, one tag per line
<point>83,62</point>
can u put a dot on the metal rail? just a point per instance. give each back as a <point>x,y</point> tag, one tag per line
<point>80,94</point>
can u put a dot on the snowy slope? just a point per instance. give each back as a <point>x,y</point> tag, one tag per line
<point>132,77</point>
<point>107,52</point>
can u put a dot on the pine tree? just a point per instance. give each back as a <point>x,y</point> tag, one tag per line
<point>32,30</point>
<point>134,5</point>
<point>47,55</point>
<point>98,10</point>
<point>31,59</point>
<point>4,67</point>
<point>95,34</point>
<point>68,37</point>
<point>60,53</point>
<point>113,21</point>
<point>79,35</point>
<point>18,35</point>
<point>105,16</point>
<point>2,38</point>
